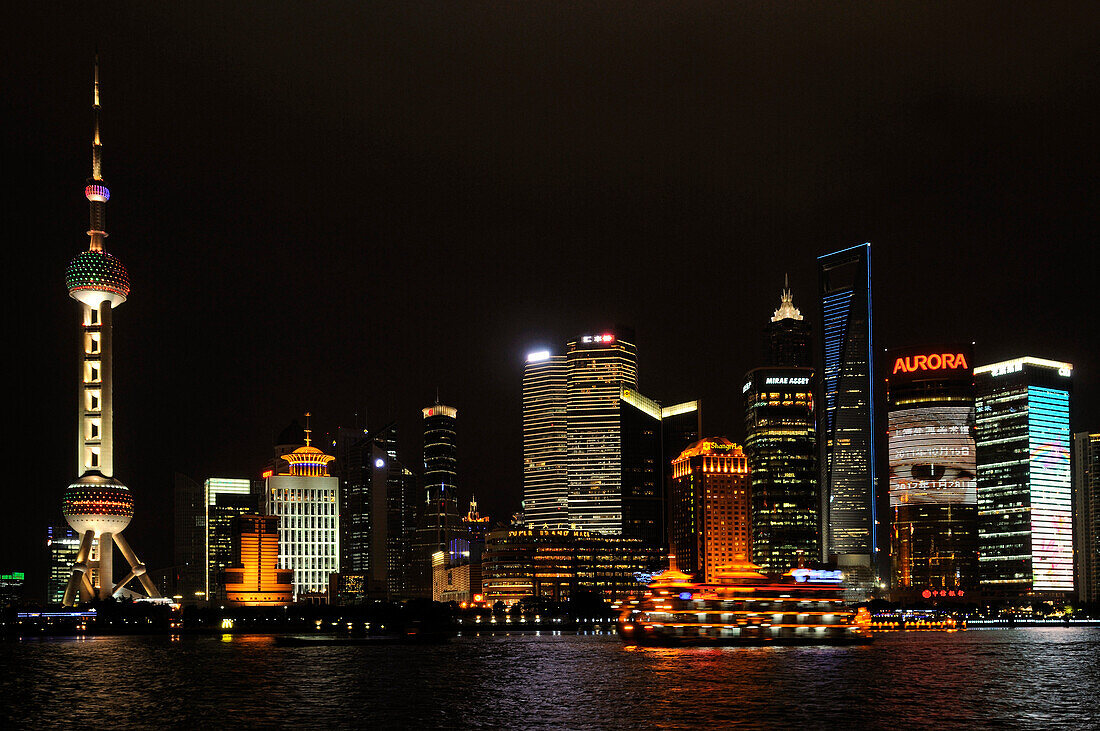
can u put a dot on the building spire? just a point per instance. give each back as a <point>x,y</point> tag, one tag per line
<point>307,430</point>
<point>787,310</point>
<point>96,191</point>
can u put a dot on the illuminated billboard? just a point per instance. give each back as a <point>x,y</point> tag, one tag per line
<point>932,458</point>
<point>949,363</point>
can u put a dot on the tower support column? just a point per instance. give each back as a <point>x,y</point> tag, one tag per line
<point>106,564</point>
<point>137,568</point>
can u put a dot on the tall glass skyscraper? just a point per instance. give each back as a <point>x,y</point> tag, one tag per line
<point>63,543</point>
<point>439,519</point>
<point>188,572</point>
<point>375,502</point>
<point>1025,513</point>
<point>781,444</point>
<point>545,472</point>
<point>848,424</point>
<point>1086,509</point>
<point>225,498</point>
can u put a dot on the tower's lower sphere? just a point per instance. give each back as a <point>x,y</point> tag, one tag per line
<point>97,503</point>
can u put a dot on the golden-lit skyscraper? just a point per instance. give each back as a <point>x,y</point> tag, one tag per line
<point>710,514</point>
<point>255,579</point>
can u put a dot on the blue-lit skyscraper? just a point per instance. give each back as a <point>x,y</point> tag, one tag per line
<point>1025,496</point>
<point>848,428</point>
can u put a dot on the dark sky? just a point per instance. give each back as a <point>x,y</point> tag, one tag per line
<point>339,209</point>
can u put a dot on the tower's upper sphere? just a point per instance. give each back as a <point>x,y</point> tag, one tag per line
<point>95,276</point>
<point>97,503</point>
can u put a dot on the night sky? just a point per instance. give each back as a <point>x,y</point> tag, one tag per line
<point>340,209</point>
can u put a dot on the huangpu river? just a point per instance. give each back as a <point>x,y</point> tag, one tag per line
<point>1018,678</point>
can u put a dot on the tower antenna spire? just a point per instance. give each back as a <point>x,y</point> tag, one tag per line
<point>96,191</point>
<point>307,430</point>
<point>97,146</point>
<point>786,303</point>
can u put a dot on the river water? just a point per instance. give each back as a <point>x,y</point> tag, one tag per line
<point>1020,678</point>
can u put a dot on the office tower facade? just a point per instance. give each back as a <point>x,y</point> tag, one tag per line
<point>597,453</point>
<point>545,470</point>
<point>933,482</point>
<point>599,367</point>
<point>306,502</point>
<point>62,545</point>
<point>640,494</point>
<point>1086,510</point>
<point>847,432</point>
<point>377,510</point>
<point>401,505</point>
<point>97,505</point>
<point>711,513</point>
<point>439,521</point>
<point>362,467</point>
<point>353,466</point>
<point>189,567</point>
<point>781,445</point>
<point>254,578</point>
<point>1025,521</point>
<point>224,499</point>
<point>787,336</point>
<point>556,564</point>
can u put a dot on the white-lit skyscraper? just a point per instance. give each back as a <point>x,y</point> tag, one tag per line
<point>599,367</point>
<point>545,472</point>
<point>1025,513</point>
<point>306,502</point>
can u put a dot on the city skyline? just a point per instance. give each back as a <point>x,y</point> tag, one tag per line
<point>225,353</point>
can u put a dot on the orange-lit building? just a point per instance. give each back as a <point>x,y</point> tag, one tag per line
<point>255,579</point>
<point>710,518</point>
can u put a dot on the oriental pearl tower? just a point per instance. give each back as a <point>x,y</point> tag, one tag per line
<point>96,505</point>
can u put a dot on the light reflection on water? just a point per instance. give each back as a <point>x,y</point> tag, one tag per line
<point>1048,677</point>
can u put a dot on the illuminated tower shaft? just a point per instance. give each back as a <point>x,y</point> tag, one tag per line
<point>95,433</point>
<point>96,505</point>
<point>95,430</point>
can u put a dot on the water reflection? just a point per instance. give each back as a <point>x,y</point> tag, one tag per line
<point>1030,677</point>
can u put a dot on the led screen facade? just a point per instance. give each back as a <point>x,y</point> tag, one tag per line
<point>932,459</point>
